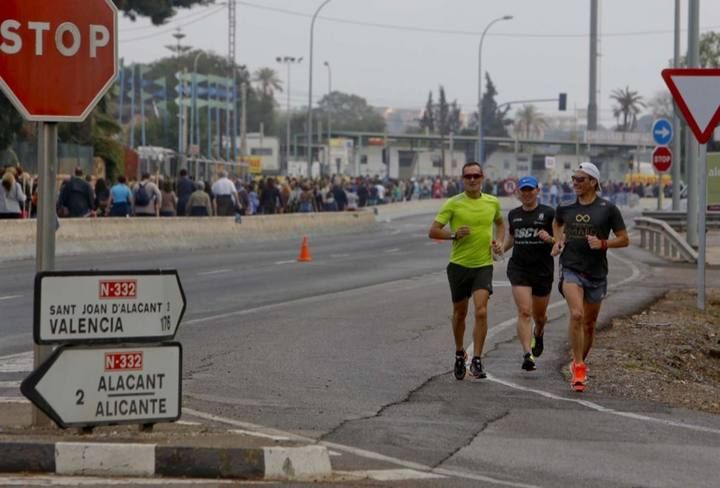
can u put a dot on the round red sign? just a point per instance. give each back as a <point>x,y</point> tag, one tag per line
<point>662,159</point>
<point>57,58</point>
<point>509,186</point>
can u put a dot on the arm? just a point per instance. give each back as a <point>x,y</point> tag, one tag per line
<point>437,231</point>
<point>621,240</point>
<point>499,241</point>
<point>559,235</point>
<point>509,242</point>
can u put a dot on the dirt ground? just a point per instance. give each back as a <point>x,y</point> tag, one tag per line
<point>668,354</point>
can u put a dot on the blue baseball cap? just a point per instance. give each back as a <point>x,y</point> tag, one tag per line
<point>528,182</point>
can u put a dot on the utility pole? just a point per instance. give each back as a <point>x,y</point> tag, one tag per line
<point>243,120</point>
<point>677,147</point>
<point>232,93</point>
<point>592,113</point>
<point>693,61</point>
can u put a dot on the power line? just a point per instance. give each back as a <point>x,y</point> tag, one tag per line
<point>432,30</point>
<point>160,33</point>
<point>174,20</point>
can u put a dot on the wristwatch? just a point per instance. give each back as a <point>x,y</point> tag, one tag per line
<point>453,236</point>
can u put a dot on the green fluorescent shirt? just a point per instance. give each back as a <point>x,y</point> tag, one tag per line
<point>473,250</point>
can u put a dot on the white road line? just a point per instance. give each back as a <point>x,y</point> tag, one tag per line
<point>214,272</point>
<point>257,429</point>
<point>286,262</point>
<point>17,363</point>
<point>45,480</point>
<point>13,400</point>
<point>185,422</point>
<point>385,475</point>
<point>259,434</point>
<point>10,297</point>
<point>9,384</point>
<point>393,250</point>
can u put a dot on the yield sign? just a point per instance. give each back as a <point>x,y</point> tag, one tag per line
<point>697,93</point>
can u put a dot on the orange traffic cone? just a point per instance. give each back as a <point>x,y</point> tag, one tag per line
<point>304,256</point>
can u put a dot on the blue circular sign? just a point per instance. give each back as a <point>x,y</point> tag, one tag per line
<point>662,132</point>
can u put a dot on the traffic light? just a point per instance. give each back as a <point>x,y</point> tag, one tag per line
<point>562,102</point>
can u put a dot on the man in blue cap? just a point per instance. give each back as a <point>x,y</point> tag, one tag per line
<point>530,269</point>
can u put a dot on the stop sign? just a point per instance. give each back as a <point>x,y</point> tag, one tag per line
<point>662,159</point>
<point>57,58</point>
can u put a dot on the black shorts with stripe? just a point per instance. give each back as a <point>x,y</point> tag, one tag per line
<point>464,281</point>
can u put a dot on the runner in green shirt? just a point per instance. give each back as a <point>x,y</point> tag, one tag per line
<point>471,216</point>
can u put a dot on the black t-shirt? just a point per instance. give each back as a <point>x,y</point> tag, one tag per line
<point>531,254</point>
<point>596,219</point>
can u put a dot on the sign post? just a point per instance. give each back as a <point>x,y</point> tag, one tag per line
<point>696,92</point>
<point>58,60</point>
<point>662,162</point>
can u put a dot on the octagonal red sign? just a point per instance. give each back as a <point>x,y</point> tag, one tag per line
<point>662,159</point>
<point>57,58</point>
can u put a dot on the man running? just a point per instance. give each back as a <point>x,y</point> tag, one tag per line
<point>530,269</point>
<point>582,231</point>
<point>471,216</point>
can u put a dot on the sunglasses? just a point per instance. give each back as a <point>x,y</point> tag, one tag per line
<point>579,179</point>
<point>473,176</point>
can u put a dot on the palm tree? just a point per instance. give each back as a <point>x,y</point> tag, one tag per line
<point>628,107</point>
<point>267,81</point>
<point>529,121</point>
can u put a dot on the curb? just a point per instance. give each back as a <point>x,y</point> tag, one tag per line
<point>147,460</point>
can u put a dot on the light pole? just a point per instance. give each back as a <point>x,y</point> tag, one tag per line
<point>310,78</point>
<point>195,133</point>
<point>288,61</point>
<point>329,121</point>
<point>480,73</point>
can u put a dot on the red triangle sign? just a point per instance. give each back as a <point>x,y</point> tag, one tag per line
<point>697,94</point>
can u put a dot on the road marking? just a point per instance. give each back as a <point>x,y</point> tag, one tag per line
<point>214,272</point>
<point>257,429</point>
<point>185,422</point>
<point>13,400</point>
<point>17,363</point>
<point>393,250</point>
<point>9,384</point>
<point>259,434</point>
<point>385,475</point>
<point>286,262</point>
<point>10,297</point>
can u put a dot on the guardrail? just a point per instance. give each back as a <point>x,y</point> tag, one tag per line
<point>659,238</point>
<point>678,220</point>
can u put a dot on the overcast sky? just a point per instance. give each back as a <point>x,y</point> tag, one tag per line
<point>392,52</point>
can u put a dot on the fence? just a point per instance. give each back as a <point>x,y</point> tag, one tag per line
<point>70,156</point>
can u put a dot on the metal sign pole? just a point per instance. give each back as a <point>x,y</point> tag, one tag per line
<point>702,214</point>
<point>46,224</point>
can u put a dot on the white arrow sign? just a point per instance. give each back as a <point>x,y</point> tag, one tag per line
<point>79,386</point>
<point>107,306</point>
<point>697,93</point>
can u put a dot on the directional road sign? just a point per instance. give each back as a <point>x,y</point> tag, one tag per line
<point>58,58</point>
<point>662,132</point>
<point>85,386</point>
<point>662,159</point>
<point>80,307</point>
<point>697,93</point>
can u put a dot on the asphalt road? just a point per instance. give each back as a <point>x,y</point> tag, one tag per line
<point>355,350</point>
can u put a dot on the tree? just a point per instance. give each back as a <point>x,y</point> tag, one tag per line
<point>710,50</point>
<point>267,81</point>
<point>529,121</point>
<point>495,121</point>
<point>427,121</point>
<point>661,105</point>
<point>157,10</point>
<point>628,107</point>
<point>10,123</point>
<point>350,113</point>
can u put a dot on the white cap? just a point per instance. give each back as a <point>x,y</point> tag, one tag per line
<point>590,169</point>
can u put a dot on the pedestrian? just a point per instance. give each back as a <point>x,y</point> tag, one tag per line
<point>102,197</point>
<point>582,230</point>
<point>147,197</point>
<point>471,216</point>
<point>530,269</point>
<point>184,187</point>
<point>199,204</point>
<point>12,197</point>
<point>77,197</point>
<point>169,207</point>
<point>225,197</point>
<point>120,202</point>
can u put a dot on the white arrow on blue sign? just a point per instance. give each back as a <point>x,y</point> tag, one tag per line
<point>662,132</point>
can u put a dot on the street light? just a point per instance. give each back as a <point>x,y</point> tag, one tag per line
<point>329,121</point>
<point>195,121</point>
<point>309,110</point>
<point>288,61</point>
<point>480,109</point>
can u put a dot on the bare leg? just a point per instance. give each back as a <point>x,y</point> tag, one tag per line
<point>458,323</point>
<point>480,300</point>
<point>574,296</point>
<point>590,315</point>
<point>524,301</point>
<point>539,312</point>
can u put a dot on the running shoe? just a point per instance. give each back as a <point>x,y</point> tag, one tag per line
<point>537,345</point>
<point>528,363</point>
<point>460,368</point>
<point>579,376</point>
<point>476,369</point>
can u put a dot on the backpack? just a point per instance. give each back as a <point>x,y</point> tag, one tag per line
<point>142,199</point>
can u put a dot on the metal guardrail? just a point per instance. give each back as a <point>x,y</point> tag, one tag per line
<point>659,238</point>
<point>678,219</point>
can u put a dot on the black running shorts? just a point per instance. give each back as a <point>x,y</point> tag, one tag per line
<point>541,285</point>
<point>464,281</point>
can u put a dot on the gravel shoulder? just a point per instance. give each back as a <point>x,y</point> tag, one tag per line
<point>669,353</point>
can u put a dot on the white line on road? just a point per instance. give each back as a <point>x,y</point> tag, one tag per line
<point>214,272</point>
<point>10,297</point>
<point>259,434</point>
<point>286,262</point>
<point>13,400</point>
<point>17,363</point>
<point>9,384</point>
<point>393,250</point>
